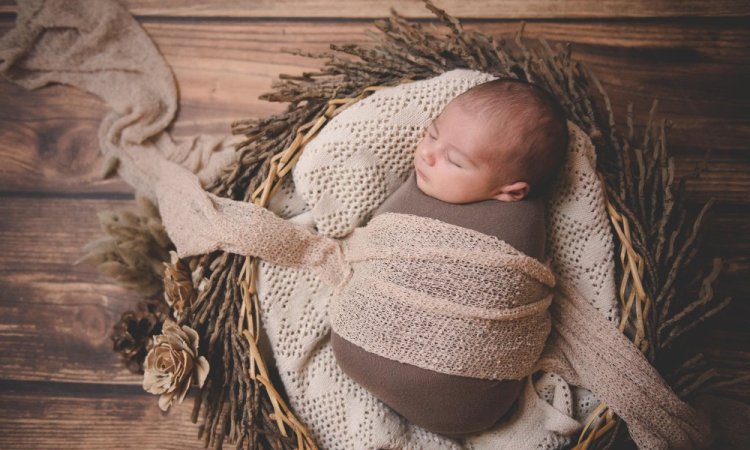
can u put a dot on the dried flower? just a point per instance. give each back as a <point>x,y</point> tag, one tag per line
<point>178,286</point>
<point>133,249</point>
<point>172,363</point>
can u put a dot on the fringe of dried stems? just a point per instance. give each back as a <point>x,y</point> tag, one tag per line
<point>657,238</point>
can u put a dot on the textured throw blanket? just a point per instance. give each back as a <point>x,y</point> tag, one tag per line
<point>98,47</point>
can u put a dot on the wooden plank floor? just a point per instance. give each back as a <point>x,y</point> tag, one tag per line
<point>61,387</point>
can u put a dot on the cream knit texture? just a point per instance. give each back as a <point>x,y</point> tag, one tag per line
<point>100,48</point>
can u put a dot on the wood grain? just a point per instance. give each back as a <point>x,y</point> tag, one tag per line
<point>49,136</point>
<point>61,387</point>
<point>63,416</point>
<point>55,318</point>
<point>514,9</point>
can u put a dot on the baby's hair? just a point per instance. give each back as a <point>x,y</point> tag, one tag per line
<point>538,150</point>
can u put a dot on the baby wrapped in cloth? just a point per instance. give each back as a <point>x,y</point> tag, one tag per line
<point>475,166</point>
<point>447,404</point>
<point>478,160</point>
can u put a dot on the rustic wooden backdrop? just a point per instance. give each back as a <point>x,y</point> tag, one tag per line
<point>60,384</point>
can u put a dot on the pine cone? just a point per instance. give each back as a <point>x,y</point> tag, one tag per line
<point>178,287</point>
<point>131,335</point>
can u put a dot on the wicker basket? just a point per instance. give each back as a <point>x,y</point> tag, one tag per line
<point>637,309</point>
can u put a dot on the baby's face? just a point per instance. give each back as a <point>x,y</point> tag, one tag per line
<point>449,161</point>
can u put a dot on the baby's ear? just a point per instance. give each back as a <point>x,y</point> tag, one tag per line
<point>513,192</point>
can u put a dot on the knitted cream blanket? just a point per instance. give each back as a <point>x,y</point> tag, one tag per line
<point>99,48</point>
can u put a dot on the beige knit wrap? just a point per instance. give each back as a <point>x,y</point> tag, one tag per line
<point>398,267</point>
<point>443,297</point>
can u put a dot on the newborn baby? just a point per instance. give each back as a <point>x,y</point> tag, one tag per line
<point>484,163</point>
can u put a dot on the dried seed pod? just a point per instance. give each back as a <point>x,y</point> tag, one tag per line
<point>134,249</point>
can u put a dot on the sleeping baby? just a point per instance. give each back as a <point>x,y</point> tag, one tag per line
<point>483,164</point>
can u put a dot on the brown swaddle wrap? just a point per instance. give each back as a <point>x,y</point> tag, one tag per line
<point>99,48</point>
<point>442,297</point>
<point>448,404</point>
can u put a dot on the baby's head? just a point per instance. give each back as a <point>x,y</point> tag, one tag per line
<point>503,139</point>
